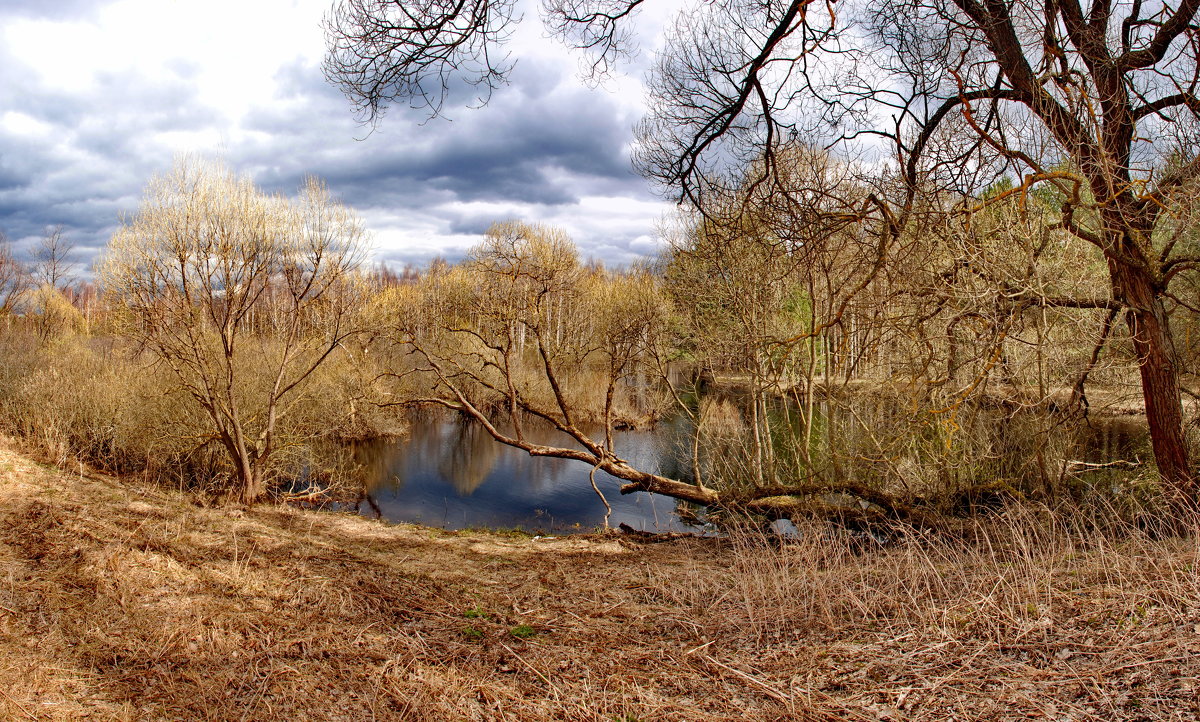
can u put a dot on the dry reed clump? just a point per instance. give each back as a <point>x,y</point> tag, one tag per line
<point>125,602</point>
<point>1030,614</point>
<point>96,401</point>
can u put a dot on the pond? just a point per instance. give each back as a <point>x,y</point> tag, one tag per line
<point>449,473</point>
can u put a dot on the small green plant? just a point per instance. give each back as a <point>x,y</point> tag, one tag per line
<point>472,633</point>
<point>522,631</point>
<point>476,613</point>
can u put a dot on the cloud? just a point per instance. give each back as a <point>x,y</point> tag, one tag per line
<point>545,149</point>
<point>79,159</point>
<point>81,136</point>
<point>58,10</point>
<point>509,149</point>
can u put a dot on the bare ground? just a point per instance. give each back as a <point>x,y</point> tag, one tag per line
<point>126,602</point>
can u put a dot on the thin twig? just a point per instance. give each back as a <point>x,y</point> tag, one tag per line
<point>544,678</point>
<point>1148,662</point>
<point>21,707</point>
<point>607,506</point>
<point>772,691</point>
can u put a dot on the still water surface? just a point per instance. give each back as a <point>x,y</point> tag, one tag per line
<point>449,473</point>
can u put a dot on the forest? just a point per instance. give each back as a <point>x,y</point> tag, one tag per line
<point>922,421</point>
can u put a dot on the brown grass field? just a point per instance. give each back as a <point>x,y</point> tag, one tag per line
<point>120,601</point>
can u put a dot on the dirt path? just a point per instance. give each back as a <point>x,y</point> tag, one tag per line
<point>123,602</point>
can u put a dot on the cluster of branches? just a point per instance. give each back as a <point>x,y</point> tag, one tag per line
<point>521,333</point>
<point>1094,107</point>
<point>242,295</point>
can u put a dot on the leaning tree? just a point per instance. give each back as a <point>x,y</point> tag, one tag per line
<point>1095,103</point>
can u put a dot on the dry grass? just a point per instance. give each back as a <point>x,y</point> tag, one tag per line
<point>120,602</point>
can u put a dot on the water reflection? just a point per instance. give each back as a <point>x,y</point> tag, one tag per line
<point>474,457</point>
<point>449,473</point>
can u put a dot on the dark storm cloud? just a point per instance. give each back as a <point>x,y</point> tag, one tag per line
<point>474,224</point>
<point>515,149</point>
<point>10,178</point>
<point>86,154</point>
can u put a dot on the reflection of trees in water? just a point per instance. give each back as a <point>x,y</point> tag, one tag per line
<point>880,440</point>
<point>1116,438</point>
<point>376,512</point>
<point>461,452</point>
<point>375,468</point>
<point>349,468</point>
<point>862,437</point>
<point>469,456</point>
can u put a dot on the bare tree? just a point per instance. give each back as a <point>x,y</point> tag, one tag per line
<point>53,262</point>
<point>206,253</point>
<point>1050,92</point>
<point>14,279</point>
<point>416,51</point>
<point>1096,103</point>
<point>764,278</point>
<point>520,334</point>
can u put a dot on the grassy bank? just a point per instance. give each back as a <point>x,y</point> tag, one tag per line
<point>128,602</point>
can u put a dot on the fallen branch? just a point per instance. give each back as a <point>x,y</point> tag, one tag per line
<point>648,537</point>
<point>1078,467</point>
<point>876,508</point>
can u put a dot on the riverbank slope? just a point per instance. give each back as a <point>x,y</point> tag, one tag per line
<point>127,602</point>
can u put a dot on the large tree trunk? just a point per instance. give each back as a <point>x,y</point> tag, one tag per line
<point>252,487</point>
<point>1154,349</point>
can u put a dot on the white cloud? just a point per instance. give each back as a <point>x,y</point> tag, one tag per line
<point>99,97</point>
<point>17,123</point>
<point>227,51</point>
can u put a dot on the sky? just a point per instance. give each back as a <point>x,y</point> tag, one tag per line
<point>98,96</point>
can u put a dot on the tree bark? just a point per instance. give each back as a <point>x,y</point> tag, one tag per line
<point>1155,353</point>
<point>252,485</point>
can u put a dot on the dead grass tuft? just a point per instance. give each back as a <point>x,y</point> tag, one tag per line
<point>126,602</point>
